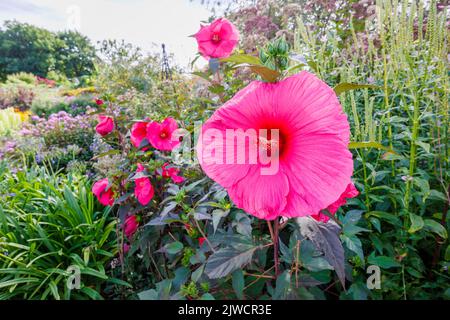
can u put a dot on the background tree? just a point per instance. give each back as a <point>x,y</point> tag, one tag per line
<point>27,48</point>
<point>76,55</point>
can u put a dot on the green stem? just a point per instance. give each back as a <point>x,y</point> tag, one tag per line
<point>366,185</point>
<point>276,230</point>
<point>412,153</point>
<point>387,106</point>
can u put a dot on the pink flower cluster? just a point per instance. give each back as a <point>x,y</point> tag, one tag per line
<point>161,137</point>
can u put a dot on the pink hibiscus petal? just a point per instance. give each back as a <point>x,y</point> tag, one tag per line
<point>268,197</point>
<point>138,133</point>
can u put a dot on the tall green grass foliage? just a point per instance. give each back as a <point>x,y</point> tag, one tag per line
<point>48,223</point>
<point>404,194</point>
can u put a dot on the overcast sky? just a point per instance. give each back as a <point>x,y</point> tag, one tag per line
<point>146,23</point>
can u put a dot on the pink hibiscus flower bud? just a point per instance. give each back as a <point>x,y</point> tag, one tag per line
<point>138,133</point>
<point>171,173</point>
<point>279,149</point>
<point>104,194</point>
<point>126,248</point>
<point>130,226</point>
<point>99,102</point>
<point>160,134</point>
<point>143,189</point>
<point>218,39</point>
<point>105,125</point>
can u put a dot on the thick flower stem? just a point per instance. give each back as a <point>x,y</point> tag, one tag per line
<point>276,229</point>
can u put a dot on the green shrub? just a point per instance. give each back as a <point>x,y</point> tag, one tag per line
<point>44,106</point>
<point>21,78</point>
<point>58,77</point>
<point>56,141</point>
<point>49,223</point>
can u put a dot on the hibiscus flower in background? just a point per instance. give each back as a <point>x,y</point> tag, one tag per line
<point>99,102</point>
<point>130,226</point>
<point>160,134</point>
<point>218,39</point>
<point>105,125</point>
<point>143,190</point>
<point>138,133</point>
<point>314,163</point>
<point>104,194</point>
<point>201,241</point>
<point>171,173</point>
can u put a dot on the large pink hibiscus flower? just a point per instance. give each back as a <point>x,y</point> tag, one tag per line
<point>218,39</point>
<point>300,125</point>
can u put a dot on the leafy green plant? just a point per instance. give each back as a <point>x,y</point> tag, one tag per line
<point>48,223</point>
<point>21,78</point>
<point>47,105</point>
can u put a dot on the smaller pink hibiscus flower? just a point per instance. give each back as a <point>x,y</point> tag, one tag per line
<point>350,192</point>
<point>130,226</point>
<point>138,133</point>
<point>105,125</point>
<point>160,134</point>
<point>99,102</point>
<point>143,190</point>
<point>104,194</point>
<point>171,173</point>
<point>218,39</point>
